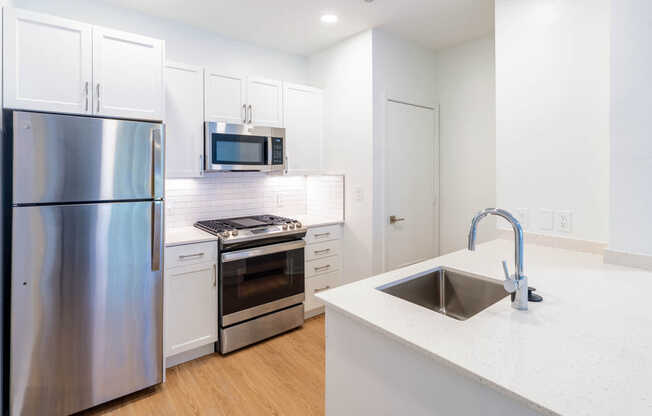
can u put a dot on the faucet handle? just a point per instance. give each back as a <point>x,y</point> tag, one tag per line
<point>510,284</point>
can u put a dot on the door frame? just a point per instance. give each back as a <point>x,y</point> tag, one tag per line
<point>382,201</point>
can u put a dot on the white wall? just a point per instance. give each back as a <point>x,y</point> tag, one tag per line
<point>631,127</point>
<point>465,83</point>
<point>405,71</point>
<point>184,43</point>
<point>552,111</point>
<point>345,73</point>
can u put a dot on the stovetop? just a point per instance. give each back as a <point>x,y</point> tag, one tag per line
<point>251,228</point>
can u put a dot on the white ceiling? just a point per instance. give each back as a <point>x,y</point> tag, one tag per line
<point>293,25</point>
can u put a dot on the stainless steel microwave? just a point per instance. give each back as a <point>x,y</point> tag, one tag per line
<point>241,147</point>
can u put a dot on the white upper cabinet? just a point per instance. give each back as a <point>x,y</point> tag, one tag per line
<point>265,102</point>
<point>59,65</point>
<point>184,109</point>
<point>47,63</point>
<point>242,100</point>
<point>128,75</point>
<point>303,127</point>
<point>225,98</point>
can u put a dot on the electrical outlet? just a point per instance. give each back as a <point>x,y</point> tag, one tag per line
<point>546,220</point>
<point>564,221</point>
<point>522,215</point>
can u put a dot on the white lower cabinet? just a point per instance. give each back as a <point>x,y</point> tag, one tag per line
<point>190,300</point>
<point>322,265</point>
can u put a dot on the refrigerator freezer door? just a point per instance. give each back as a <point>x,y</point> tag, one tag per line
<point>63,158</point>
<point>86,305</point>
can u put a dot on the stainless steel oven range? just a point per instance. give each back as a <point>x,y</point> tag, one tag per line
<point>261,277</point>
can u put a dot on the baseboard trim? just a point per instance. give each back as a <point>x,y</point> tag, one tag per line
<point>621,258</point>
<point>313,312</point>
<point>190,355</point>
<point>566,243</point>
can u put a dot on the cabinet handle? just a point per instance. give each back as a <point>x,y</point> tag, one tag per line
<point>98,97</point>
<point>322,235</point>
<point>201,165</point>
<point>244,110</point>
<point>251,113</point>
<point>86,93</point>
<point>324,251</point>
<point>190,256</point>
<point>322,289</point>
<point>326,267</point>
<point>214,275</point>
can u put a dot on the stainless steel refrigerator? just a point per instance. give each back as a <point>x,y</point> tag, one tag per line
<point>86,235</point>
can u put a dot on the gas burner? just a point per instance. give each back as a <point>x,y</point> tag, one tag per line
<point>251,228</point>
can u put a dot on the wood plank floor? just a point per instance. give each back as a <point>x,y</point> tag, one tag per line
<point>280,376</point>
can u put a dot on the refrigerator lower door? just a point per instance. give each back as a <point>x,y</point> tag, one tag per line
<point>86,305</point>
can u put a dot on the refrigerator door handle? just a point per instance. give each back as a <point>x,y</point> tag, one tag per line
<point>157,248</point>
<point>157,161</point>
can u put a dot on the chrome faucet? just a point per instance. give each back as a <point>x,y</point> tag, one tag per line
<point>515,284</point>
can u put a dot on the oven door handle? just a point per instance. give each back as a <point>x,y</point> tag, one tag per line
<point>262,251</point>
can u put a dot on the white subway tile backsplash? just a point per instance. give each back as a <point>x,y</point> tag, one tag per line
<point>239,194</point>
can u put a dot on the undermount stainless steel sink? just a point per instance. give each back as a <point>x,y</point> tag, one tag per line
<point>457,294</point>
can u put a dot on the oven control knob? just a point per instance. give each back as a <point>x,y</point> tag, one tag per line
<point>284,226</point>
<point>298,224</point>
<point>234,233</point>
<point>291,226</point>
<point>224,234</point>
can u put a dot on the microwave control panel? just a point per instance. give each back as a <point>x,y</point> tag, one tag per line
<point>277,151</point>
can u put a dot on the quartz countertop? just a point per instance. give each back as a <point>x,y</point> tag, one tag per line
<point>312,221</point>
<point>186,235</point>
<point>585,350</point>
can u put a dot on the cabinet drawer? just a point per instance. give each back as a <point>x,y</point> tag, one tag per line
<point>322,250</point>
<point>328,233</point>
<point>190,254</point>
<point>319,284</point>
<point>322,266</point>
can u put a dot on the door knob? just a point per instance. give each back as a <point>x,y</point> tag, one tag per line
<point>394,219</point>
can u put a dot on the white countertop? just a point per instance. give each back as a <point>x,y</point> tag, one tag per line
<point>312,221</point>
<point>585,350</point>
<point>186,235</point>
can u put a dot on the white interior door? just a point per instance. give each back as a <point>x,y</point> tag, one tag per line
<point>265,97</point>
<point>47,63</point>
<point>411,185</point>
<point>128,75</point>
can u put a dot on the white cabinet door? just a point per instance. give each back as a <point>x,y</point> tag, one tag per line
<point>127,74</point>
<point>47,63</point>
<point>190,307</point>
<point>303,127</point>
<point>184,109</point>
<point>266,100</point>
<point>225,97</point>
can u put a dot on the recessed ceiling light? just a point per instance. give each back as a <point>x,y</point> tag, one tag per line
<point>329,18</point>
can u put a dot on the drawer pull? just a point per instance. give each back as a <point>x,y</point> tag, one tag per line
<point>324,251</point>
<point>190,256</point>
<point>326,267</point>
<point>322,289</point>
<point>321,235</point>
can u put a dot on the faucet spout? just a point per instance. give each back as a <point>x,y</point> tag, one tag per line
<point>520,297</point>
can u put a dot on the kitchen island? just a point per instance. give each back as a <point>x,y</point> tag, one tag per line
<point>585,350</point>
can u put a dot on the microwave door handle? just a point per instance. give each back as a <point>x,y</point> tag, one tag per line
<point>262,251</point>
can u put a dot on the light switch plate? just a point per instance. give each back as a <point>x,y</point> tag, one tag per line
<point>546,219</point>
<point>564,221</point>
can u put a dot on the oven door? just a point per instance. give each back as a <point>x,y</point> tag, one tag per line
<point>259,280</point>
